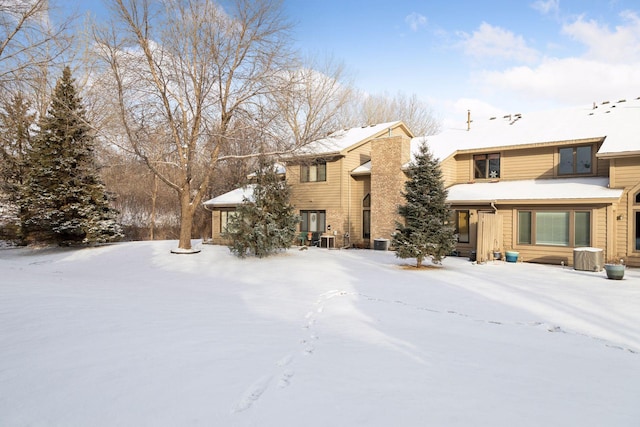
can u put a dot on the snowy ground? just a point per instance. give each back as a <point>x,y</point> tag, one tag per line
<point>131,335</point>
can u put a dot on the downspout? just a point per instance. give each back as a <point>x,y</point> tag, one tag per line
<point>206,208</point>
<point>493,205</point>
<point>348,231</point>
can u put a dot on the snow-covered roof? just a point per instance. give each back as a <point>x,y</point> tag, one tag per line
<point>279,168</point>
<point>618,122</point>
<point>232,198</point>
<point>343,139</point>
<point>363,169</point>
<point>547,190</point>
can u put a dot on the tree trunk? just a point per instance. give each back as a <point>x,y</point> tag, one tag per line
<point>154,196</point>
<point>186,219</point>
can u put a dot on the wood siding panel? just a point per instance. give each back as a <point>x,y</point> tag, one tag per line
<point>626,172</point>
<point>602,166</point>
<point>547,254</point>
<point>315,195</point>
<point>463,168</point>
<point>531,163</point>
<point>449,171</point>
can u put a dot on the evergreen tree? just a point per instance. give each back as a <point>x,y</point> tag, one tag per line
<point>16,120</point>
<point>426,230</point>
<point>64,200</point>
<point>267,222</point>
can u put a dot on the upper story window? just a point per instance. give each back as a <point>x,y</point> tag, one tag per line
<point>575,160</point>
<point>486,166</point>
<point>313,173</point>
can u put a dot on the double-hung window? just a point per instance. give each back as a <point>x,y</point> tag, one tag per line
<point>575,160</point>
<point>486,166</point>
<point>313,173</point>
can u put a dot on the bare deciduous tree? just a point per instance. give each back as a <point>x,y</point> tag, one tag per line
<point>312,102</point>
<point>29,44</point>
<point>196,86</point>
<point>416,114</point>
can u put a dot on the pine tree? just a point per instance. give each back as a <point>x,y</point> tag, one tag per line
<point>266,223</point>
<point>16,120</point>
<point>64,200</point>
<point>426,230</point>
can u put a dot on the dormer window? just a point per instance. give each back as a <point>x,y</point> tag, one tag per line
<point>486,166</point>
<point>575,160</point>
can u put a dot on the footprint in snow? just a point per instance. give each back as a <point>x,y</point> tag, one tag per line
<point>308,349</point>
<point>285,360</point>
<point>285,378</point>
<point>252,394</point>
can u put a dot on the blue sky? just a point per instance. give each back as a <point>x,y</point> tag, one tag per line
<point>502,56</point>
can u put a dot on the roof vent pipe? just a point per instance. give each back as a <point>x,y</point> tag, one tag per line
<point>468,120</point>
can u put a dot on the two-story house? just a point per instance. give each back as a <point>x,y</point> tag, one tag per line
<point>542,184</point>
<point>333,189</point>
<point>546,183</point>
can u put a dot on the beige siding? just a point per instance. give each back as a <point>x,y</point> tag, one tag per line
<point>625,172</point>
<point>355,190</point>
<point>449,172</point>
<point>554,254</point>
<point>326,195</point>
<point>463,168</point>
<point>602,166</point>
<point>531,163</point>
<point>360,187</point>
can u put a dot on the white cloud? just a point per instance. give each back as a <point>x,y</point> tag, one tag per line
<point>547,7</point>
<point>621,45</point>
<point>608,68</point>
<point>569,81</point>
<point>489,41</point>
<point>415,21</point>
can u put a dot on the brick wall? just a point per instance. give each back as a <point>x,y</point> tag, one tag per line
<point>388,155</point>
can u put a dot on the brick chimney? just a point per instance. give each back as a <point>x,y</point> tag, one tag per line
<point>388,155</point>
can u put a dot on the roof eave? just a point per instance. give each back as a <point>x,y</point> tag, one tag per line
<point>591,201</point>
<point>210,206</point>
<point>377,135</point>
<point>529,145</point>
<point>618,154</point>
